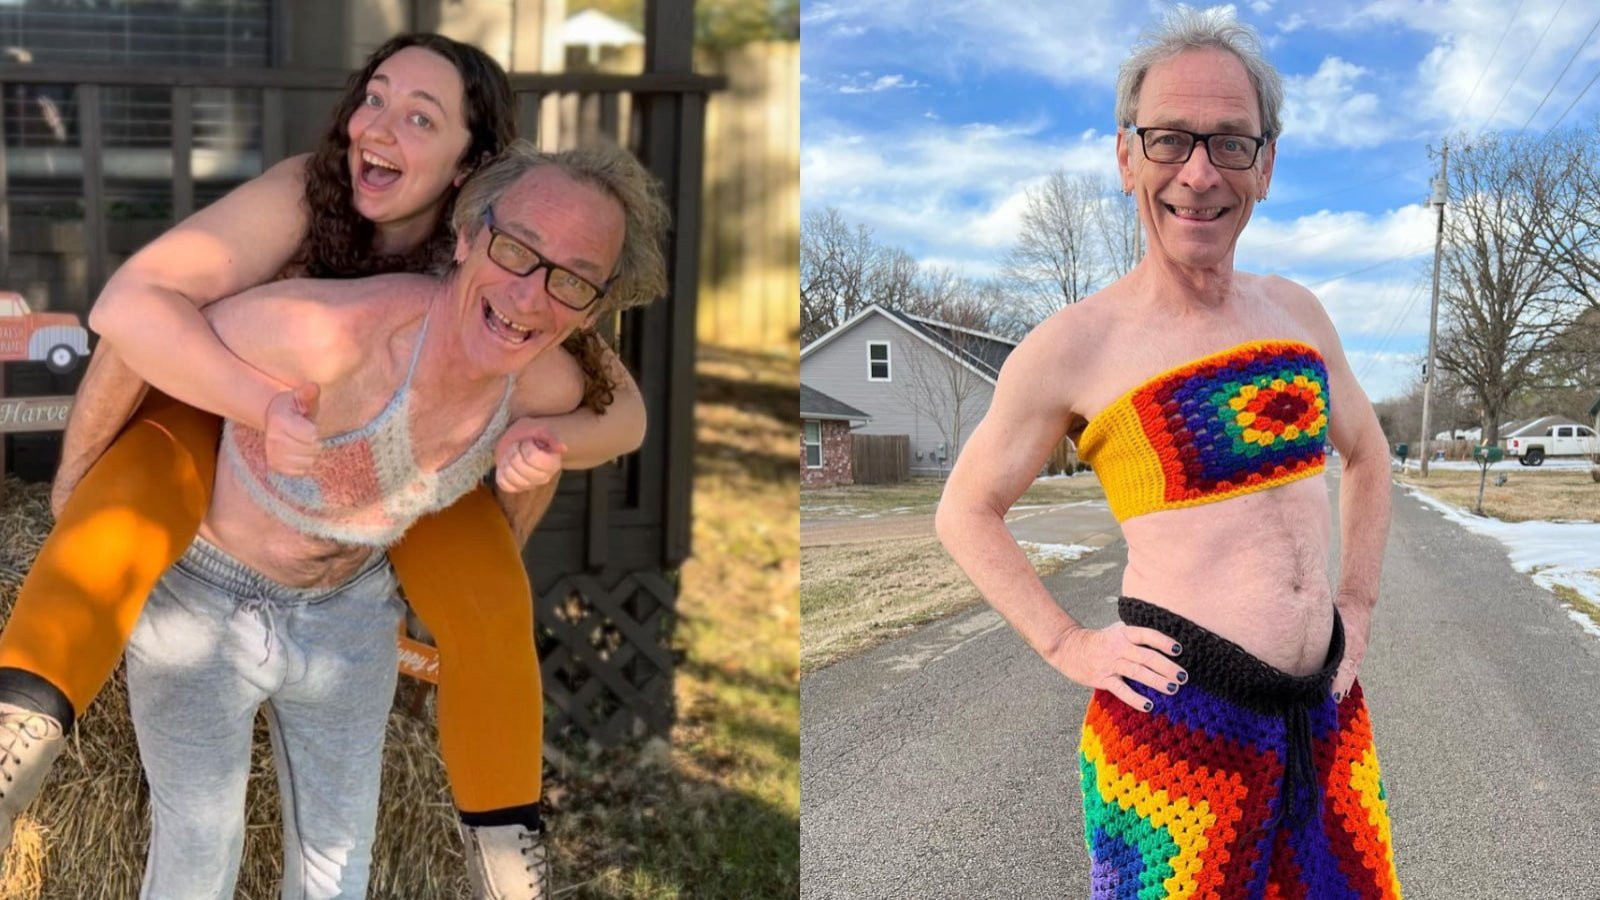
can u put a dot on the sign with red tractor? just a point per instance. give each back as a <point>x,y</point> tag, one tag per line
<point>58,340</point>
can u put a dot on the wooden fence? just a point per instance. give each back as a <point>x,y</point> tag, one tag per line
<point>1064,458</point>
<point>880,458</point>
<point>750,238</point>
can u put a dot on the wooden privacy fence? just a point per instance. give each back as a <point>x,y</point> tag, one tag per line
<point>603,560</point>
<point>1064,458</point>
<point>880,458</point>
<point>750,241</point>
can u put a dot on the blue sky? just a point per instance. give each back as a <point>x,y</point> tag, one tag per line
<point>928,119</point>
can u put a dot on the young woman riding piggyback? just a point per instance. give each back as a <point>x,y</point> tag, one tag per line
<point>374,197</point>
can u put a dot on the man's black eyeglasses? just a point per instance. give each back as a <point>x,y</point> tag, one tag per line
<point>1175,146</point>
<point>568,287</point>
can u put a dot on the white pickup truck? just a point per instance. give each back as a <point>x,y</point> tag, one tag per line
<point>1557,440</point>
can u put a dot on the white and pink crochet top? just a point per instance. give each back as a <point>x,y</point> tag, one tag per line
<point>365,487</point>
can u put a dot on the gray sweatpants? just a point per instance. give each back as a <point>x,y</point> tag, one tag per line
<point>216,641</point>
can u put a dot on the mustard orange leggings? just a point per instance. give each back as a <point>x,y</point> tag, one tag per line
<point>139,508</point>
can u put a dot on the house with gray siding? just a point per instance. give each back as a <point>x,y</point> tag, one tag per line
<point>929,380</point>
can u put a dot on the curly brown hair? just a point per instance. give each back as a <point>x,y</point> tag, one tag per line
<point>339,241</point>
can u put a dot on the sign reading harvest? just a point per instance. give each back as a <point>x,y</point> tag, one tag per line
<point>34,413</point>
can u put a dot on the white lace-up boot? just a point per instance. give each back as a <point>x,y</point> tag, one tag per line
<point>30,741</point>
<point>506,862</point>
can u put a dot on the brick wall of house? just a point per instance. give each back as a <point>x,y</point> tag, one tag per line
<point>835,456</point>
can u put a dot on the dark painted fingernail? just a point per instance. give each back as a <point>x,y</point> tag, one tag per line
<point>1183,677</point>
<point>1172,687</point>
<point>1176,649</point>
<point>1148,706</point>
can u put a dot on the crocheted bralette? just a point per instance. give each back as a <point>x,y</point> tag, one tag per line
<point>364,487</point>
<point>1246,419</point>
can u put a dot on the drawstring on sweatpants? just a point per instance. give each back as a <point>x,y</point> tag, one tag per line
<point>261,607</point>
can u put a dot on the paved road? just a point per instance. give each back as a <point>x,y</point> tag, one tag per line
<point>944,763</point>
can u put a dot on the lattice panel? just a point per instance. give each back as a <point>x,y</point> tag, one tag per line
<point>606,656</point>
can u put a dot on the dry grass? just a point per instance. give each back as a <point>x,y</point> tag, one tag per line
<point>920,496</point>
<point>718,814</point>
<point>1563,495</point>
<point>715,814</point>
<point>857,596</point>
<point>1575,599</point>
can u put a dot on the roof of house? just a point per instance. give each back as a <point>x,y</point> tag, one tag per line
<point>982,352</point>
<point>1538,426</point>
<point>814,404</point>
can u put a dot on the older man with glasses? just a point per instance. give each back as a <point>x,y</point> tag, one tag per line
<point>1227,749</point>
<point>403,391</point>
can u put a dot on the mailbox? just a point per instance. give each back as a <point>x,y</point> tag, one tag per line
<point>1488,455</point>
<point>1401,450</point>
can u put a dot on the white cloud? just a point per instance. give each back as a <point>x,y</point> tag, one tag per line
<point>1328,108</point>
<point>1066,44</point>
<point>1338,241</point>
<point>1261,7</point>
<point>1480,48</point>
<point>944,190</point>
<point>882,83</point>
<point>1384,375</point>
<point>1294,23</point>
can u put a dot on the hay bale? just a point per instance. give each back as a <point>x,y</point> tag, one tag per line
<point>86,835</point>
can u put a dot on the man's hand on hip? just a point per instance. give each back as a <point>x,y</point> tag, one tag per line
<point>1111,658</point>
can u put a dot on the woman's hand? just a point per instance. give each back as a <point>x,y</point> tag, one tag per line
<point>527,456</point>
<point>291,436</point>
<point>1110,658</point>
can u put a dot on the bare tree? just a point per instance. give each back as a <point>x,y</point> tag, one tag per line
<point>1503,291</point>
<point>1117,221</point>
<point>1056,260</point>
<point>942,385</point>
<point>837,264</point>
<point>895,280</point>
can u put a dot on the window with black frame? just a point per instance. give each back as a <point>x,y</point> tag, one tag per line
<point>43,154</point>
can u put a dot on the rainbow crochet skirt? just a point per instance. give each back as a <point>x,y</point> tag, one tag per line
<point>1249,782</point>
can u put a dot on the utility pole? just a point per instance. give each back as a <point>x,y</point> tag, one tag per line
<point>1441,192</point>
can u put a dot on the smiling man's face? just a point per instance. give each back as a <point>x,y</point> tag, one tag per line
<point>508,319</point>
<point>1194,210</point>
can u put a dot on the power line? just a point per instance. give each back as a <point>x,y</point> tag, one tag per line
<point>1394,328</point>
<point>1382,262</point>
<point>1488,65</point>
<point>1571,105</point>
<point>1524,65</point>
<point>1570,60</point>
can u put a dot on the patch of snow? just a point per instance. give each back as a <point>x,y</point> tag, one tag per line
<point>1509,464</point>
<point>1063,552</point>
<point>1584,622</point>
<point>1565,553</point>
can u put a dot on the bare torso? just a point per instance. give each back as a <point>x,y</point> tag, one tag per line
<point>1252,568</point>
<point>445,420</point>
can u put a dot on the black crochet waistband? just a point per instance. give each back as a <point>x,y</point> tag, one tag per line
<point>1227,670</point>
<point>1230,671</point>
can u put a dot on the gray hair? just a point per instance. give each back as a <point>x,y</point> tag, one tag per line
<point>641,274</point>
<point>1191,29</point>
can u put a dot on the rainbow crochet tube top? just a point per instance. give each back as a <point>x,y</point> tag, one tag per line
<point>1246,419</point>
